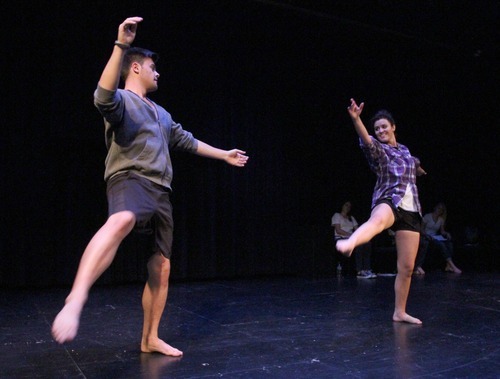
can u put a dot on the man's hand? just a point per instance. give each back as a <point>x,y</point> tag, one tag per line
<point>236,157</point>
<point>127,30</point>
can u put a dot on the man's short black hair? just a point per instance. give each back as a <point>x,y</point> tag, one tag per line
<point>136,54</point>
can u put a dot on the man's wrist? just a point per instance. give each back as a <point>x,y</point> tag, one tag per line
<point>123,46</point>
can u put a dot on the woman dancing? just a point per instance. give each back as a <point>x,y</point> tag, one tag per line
<point>395,201</point>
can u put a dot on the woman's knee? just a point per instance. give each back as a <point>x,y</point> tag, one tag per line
<point>405,268</point>
<point>379,222</point>
<point>382,216</point>
<point>406,265</point>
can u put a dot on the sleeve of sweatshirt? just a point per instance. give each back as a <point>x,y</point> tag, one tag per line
<point>109,104</point>
<point>181,139</point>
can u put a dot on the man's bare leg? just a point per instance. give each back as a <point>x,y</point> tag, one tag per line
<point>380,219</point>
<point>96,258</point>
<point>407,247</point>
<point>154,299</point>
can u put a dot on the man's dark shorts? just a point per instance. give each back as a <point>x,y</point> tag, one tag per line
<point>149,202</point>
<point>403,220</point>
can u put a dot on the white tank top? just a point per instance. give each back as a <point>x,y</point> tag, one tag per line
<point>408,202</point>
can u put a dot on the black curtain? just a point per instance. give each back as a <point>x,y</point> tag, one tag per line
<point>272,78</point>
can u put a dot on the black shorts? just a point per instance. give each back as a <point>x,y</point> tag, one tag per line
<point>403,220</point>
<point>149,202</point>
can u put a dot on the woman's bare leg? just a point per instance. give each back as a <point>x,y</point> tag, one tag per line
<point>407,247</point>
<point>380,219</point>
<point>96,258</point>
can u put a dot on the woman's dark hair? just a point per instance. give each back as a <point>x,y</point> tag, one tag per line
<point>382,114</point>
<point>349,216</point>
<point>136,54</point>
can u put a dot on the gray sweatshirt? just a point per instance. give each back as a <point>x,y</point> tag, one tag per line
<point>138,137</point>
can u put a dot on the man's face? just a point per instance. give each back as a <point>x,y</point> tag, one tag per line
<point>149,75</point>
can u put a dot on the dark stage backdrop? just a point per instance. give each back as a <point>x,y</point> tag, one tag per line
<point>273,78</point>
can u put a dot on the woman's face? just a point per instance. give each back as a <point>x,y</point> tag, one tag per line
<point>440,210</point>
<point>346,208</point>
<point>384,131</point>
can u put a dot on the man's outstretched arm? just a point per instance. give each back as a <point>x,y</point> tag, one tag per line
<point>234,157</point>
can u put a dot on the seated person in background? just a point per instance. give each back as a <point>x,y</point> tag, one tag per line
<point>344,225</point>
<point>433,232</point>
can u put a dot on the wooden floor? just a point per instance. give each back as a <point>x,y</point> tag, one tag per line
<point>287,327</point>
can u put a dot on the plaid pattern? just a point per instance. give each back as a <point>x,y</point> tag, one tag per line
<point>395,168</point>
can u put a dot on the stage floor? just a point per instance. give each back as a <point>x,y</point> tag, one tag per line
<point>285,327</point>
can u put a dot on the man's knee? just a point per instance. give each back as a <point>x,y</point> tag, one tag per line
<point>160,265</point>
<point>122,222</point>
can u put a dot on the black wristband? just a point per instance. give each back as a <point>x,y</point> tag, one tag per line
<point>123,46</point>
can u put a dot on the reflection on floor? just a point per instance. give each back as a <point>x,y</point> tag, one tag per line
<point>265,328</point>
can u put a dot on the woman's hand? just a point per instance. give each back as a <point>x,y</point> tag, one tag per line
<point>421,171</point>
<point>355,109</point>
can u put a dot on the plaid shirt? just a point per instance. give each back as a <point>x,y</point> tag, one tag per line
<point>395,168</point>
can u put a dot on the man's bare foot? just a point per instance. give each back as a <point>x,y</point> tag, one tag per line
<point>156,345</point>
<point>405,317</point>
<point>67,321</point>
<point>345,247</point>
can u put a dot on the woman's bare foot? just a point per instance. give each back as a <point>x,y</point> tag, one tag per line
<point>405,317</point>
<point>156,345</point>
<point>419,271</point>
<point>67,321</point>
<point>345,247</point>
<point>450,267</point>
